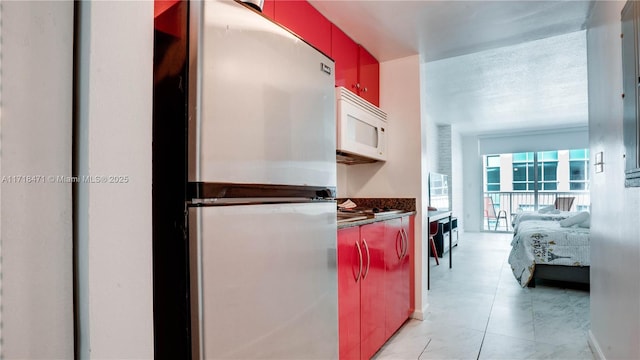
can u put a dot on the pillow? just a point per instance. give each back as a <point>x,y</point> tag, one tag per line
<point>546,209</point>
<point>575,219</point>
<point>586,224</point>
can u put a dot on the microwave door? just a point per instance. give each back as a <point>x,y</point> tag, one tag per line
<point>361,134</point>
<point>361,127</point>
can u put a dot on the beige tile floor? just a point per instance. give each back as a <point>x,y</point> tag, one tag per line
<point>477,310</point>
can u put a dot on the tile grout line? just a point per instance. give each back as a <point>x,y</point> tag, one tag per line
<point>495,294</point>
<point>424,349</point>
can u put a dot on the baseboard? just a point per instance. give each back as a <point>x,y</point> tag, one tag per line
<point>595,347</point>
<point>419,314</point>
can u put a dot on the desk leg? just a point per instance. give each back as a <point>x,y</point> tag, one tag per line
<point>428,264</point>
<point>450,246</point>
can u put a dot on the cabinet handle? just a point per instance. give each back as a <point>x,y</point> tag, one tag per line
<point>403,246</point>
<point>360,261</point>
<point>356,86</point>
<point>364,90</point>
<point>401,252</point>
<point>406,242</point>
<point>364,276</point>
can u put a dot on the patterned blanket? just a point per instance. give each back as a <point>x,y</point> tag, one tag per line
<point>546,242</point>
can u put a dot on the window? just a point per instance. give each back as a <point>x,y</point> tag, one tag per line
<point>548,165</point>
<point>579,169</point>
<point>523,172</point>
<point>492,166</point>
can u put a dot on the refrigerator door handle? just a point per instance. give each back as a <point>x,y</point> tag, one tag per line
<point>364,241</point>
<point>360,262</point>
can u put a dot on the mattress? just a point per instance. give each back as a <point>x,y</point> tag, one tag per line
<point>546,242</point>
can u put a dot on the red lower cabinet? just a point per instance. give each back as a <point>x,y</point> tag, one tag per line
<point>397,279</point>
<point>372,289</point>
<point>373,285</point>
<point>349,275</point>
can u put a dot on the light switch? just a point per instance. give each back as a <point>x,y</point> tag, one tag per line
<point>599,163</point>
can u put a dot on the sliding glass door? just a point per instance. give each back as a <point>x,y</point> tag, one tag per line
<point>526,181</point>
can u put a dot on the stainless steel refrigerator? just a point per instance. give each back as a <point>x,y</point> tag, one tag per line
<point>262,177</point>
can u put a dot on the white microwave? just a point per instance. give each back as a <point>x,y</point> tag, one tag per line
<point>361,129</point>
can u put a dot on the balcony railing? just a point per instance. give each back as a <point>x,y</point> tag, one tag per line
<point>518,201</point>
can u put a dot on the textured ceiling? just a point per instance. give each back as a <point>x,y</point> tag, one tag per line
<point>491,66</point>
<point>439,29</point>
<point>534,85</point>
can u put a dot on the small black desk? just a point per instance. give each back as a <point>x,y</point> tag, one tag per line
<point>431,217</point>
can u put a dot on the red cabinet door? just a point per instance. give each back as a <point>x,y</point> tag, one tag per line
<point>268,9</point>
<point>304,20</point>
<point>395,247</point>
<point>404,271</point>
<point>407,265</point>
<point>350,266</point>
<point>372,289</point>
<point>345,52</point>
<point>369,76</point>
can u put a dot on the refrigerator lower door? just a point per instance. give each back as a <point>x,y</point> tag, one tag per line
<point>265,282</point>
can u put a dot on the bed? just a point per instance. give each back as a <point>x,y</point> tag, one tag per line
<point>535,215</point>
<point>543,249</point>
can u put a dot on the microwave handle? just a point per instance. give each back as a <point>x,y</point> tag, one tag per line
<point>381,140</point>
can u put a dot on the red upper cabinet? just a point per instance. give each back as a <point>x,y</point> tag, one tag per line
<point>369,76</point>
<point>304,20</point>
<point>268,9</point>
<point>356,69</point>
<point>345,53</point>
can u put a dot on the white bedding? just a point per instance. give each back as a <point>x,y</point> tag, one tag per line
<point>534,215</point>
<point>546,242</point>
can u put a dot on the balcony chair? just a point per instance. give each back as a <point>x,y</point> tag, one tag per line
<point>490,213</point>
<point>433,231</point>
<point>564,203</point>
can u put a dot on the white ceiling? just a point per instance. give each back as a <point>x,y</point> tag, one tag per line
<point>531,86</point>
<point>507,79</point>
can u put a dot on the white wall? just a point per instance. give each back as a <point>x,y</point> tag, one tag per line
<point>472,184</point>
<point>114,219</point>
<point>457,176</point>
<point>558,139</point>
<point>615,235</point>
<point>36,222</point>
<point>401,175</point>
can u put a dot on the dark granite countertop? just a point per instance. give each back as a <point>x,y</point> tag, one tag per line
<point>407,205</point>
<point>372,219</point>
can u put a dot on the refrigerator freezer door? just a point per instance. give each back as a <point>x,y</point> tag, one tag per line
<point>267,280</point>
<point>265,109</point>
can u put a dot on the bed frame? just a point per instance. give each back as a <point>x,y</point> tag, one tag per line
<point>573,274</point>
